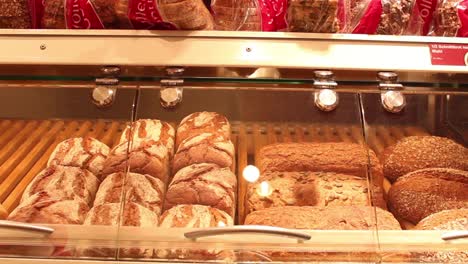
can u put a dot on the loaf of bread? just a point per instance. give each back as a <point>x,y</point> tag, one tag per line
<point>203,122</point>
<point>144,190</point>
<point>3,212</point>
<point>421,152</point>
<point>150,129</point>
<point>86,153</point>
<point>144,157</point>
<point>455,219</point>
<point>65,183</point>
<point>237,15</point>
<point>204,184</point>
<point>109,214</point>
<point>424,192</point>
<point>186,14</point>
<point>346,158</point>
<point>15,14</point>
<point>318,16</point>
<point>204,148</point>
<point>41,208</point>
<point>194,216</point>
<point>277,189</point>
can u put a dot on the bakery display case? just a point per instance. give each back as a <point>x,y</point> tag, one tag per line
<point>184,147</point>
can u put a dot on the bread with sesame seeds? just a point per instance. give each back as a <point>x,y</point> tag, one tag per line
<point>421,152</point>
<point>424,192</point>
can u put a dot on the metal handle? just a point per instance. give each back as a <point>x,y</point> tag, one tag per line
<point>26,227</point>
<point>267,230</point>
<point>454,235</point>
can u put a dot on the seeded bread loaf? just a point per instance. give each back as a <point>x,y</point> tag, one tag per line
<point>204,184</point>
<point>204,148</point>
<point>421,152</point>
<point>346,158</point>
<point>41,208</point>
<point>203,122</point>
<point>150,129</point>
<point>144,190</point>
<point>455,219</point>
<point>86,153</point>
<point>66,183</point>
<point>15,14</point>
<point>143,157</point>
<point>424,192</point>
<point>277,189</point>
<point>194,216</point>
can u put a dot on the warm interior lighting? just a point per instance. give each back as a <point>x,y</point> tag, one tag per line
<point>221,224</point>
<point>264,189</point>
<point>251,173</point>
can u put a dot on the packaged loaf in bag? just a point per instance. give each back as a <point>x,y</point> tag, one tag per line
<point>18,14</point>
<point>249,15</point>
<point>318,16</point>
<point>186,14</point>
<point>451,19</point>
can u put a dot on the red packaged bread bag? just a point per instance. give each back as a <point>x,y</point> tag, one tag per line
<point>451,19</point>
<point>249,15</point>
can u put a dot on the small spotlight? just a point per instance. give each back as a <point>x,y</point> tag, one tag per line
<point>251,173</point>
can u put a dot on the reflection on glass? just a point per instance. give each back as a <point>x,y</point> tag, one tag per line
<point>264,189</point>
<point>393,101</point>
<point>326,99</point>
<point>251,173</point>
<point>221,224</point>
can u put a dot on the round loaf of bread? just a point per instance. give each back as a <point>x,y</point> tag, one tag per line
<point>325,218</point>
<point>204,148</point>
<point>150,129</point>
<point>41,208</point>
<point>203,122</point>
<point>86,153</point>
<point>66,183</point>
<point>424,192</point>
<point>421,152</point>
<point>455,219</point>
<point>144,157</point>
<point>204,184</point>
<point>143,190</point>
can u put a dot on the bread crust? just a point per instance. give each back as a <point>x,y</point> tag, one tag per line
<point>203,184</point>
<point>144,190</point>
<point>424,192</point>
<point>41,208</point>
<point>204,148</point>
<point>421,152</point>
<point>86,153</point>
<point>203,122</point>
<point>65,183</point>
<point>308,189</point>
<point>186,14</point>
<point>346,158</point>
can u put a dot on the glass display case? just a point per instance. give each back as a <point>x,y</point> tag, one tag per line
<point>146,146</point>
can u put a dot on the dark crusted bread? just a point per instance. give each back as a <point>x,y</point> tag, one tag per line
<point>424,192</point>
<point>421,152</point>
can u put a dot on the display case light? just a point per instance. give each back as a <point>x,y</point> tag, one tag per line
<point>251,173</point>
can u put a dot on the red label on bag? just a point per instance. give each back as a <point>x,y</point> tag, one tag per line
<point>449,54</point>
<point>273,14</point>
<point>370,20</point>
<point>463,16</point>
<point>80,14</point>
<point>426,10</point>
<point>144,14</point>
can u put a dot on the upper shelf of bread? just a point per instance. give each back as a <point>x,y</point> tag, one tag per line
<point>221,48</point>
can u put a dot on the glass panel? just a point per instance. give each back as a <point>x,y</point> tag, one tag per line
<point>424,156</point>
<point>54,145</point>
<point>328,167</point>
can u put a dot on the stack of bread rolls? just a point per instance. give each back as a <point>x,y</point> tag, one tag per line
<point>202,192</point>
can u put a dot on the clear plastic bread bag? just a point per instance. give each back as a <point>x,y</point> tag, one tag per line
<point>451,19</point>
<point>20,14</point>
<point>186,14</point>
<point>318,16</point>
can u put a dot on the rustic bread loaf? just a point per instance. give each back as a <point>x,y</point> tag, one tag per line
<point>204,148</point>
<point>65,183</point>
<point>42,208</point>
<point>186,14</point>
<point>144,190</point>
<point>144,157</point>
<point>421,152</point>
<point>194,216</point>
<point>455,219</point>
<point>237,17</point>
<point>203,122</point>
<point>15,14</point>
<point>324,218</point>
<point>277,189</point>
<point>3,212</point>
<point>86,153</point>
<point>424,192</point>
<point>346,158</point>
<point>109,214</point>
<point>150,129</point>
<point>204,184</point>
<point>318,16</point>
